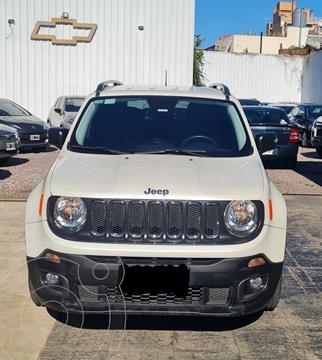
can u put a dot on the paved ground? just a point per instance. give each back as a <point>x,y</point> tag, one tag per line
<point>23,172</point>
<point>293,331</point>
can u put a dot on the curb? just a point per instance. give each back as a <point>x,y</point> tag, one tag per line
<point>13,199</point>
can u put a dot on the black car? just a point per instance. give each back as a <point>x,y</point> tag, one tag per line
<point>250,102</point>
<point>303,117</point>
<point>33,132</point>
<point>9,142</point>
<point>265,119</point>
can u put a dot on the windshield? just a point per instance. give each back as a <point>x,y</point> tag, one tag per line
<point>286,108</point>
<point>73,104</point>
<point>161,124</point>
<point>8,108</point>
<point>262,116</point>
<point>314,111</point>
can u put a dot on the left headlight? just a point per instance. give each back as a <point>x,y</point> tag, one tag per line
<point>241,218</point>
<point>70,213</point>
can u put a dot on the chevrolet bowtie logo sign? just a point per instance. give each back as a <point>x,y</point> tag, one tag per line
<point>36,35</point>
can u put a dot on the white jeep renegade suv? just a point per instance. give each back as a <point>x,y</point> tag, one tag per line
<point>158,203</point>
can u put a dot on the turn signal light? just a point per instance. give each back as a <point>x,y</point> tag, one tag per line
<point>52,258</point>
<point>270,208</point>
<point>41,201</point>
<point>256,262</point>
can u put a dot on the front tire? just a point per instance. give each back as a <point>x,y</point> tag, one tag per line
<point>271,306</point>
<point>319,151</point>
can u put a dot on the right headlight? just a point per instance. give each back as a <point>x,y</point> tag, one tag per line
<point>241,218</point>
<point>70,213</point>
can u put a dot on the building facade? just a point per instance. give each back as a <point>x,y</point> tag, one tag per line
<point>66,47</point>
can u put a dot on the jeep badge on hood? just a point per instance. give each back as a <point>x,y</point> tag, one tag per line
<point>157,192</point>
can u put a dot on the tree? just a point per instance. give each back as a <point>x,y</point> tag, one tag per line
<point>198,62</point>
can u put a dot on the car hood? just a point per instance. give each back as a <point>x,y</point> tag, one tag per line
<point>179,177</point>
<point>7,129</point>
<point>26,123</point>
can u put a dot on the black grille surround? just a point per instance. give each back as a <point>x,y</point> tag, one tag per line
<point>154,222</point>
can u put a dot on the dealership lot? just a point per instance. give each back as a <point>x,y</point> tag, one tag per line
<point>293,331</point>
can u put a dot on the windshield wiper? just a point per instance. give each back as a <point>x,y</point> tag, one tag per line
<point>95,149</point>
<point>175,152</point>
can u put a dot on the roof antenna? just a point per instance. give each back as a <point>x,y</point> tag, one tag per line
<point>166,78</point>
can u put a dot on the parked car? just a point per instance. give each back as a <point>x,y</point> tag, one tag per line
<point>64,111</point>
<point>303,116</point>
<point>249,102</point>
<point>9,142</point>
<point>287,107</point>
<point>316,136</point>
<point>159,203</point>
<point>264,119</point>
<point>32,131</point>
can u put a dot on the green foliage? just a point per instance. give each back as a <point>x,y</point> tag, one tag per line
<point>198,63</point>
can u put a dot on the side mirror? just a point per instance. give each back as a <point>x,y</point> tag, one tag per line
<point>57,136</point>
<point>58,111</point>
<point>265,142</point>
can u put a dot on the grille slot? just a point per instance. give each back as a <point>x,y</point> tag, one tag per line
<point>319,132</point>
<point>117,218</point>
<point>155,220</point>
<point>87,293</point>
<point>174,220</point>
<point>98,218</point>
<point>211,220</point>
<point>193,220</point>
<point>218,296</point>
<point>136,219</point>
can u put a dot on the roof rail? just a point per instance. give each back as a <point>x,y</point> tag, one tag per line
<point>107,84</point>
<point>222,87</point>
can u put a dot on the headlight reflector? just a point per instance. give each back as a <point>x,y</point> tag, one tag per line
<point>70,213</point>
<point>241,218</point>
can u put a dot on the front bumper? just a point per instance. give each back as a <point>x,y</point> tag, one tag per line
<point>212,287</point>
<point>27,143</point>
<point>288,151</point>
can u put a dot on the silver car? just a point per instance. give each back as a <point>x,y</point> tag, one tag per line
<point>64,111</point>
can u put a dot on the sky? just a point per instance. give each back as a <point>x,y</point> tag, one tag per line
<point>215,18</point>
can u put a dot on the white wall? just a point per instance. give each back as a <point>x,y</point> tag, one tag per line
<point>34,73</point>
<point>312,79</point>
<point>266,77</point>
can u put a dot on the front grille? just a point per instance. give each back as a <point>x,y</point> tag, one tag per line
<point>26,136</point>
<point>155,221</point>
<point>193,297</point>
<point>319,132</point>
